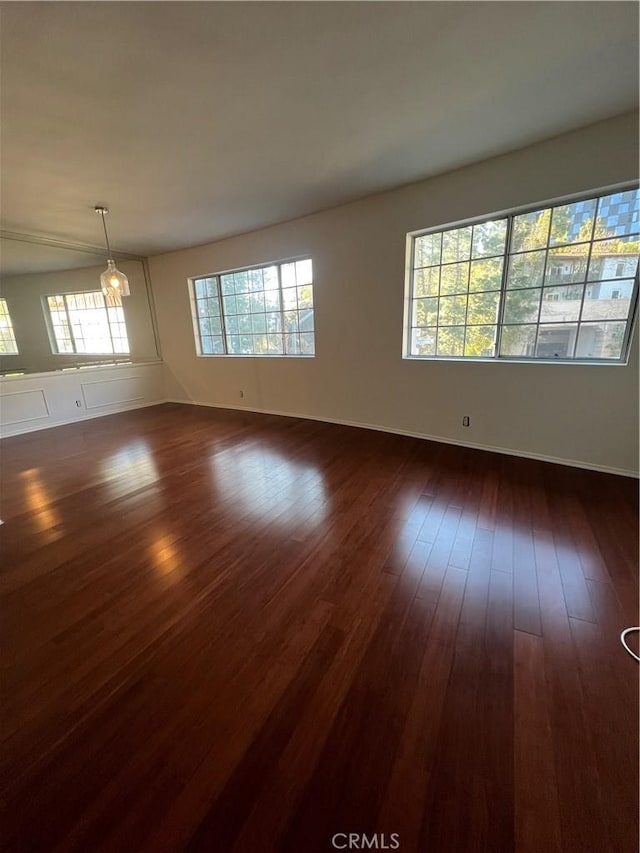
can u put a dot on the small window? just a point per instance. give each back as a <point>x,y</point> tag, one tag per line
<point>531,285</point>
<point>87,323</point>
<point>262,311</point>
<point>8,345</point>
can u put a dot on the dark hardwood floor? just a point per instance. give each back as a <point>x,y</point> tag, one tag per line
<point>233,632</point>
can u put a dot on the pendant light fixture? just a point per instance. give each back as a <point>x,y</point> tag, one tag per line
<point>112,280</point>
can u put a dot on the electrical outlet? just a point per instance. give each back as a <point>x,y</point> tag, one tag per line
<point>466,421</point>
<point>241,393</point>
<point>78,404</point>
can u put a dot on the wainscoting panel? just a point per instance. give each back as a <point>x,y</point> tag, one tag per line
<point>24,406</point>
<point>109,392</point>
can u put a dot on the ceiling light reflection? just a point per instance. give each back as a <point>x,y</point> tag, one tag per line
<point>263,483</point>
<point>39,503</point>
<point>130,469</point>
<point>165,554</point>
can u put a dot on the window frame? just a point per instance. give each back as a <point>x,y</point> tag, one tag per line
<point>53,341</point>
<point>6,312</point>
<point>509,214</point>
<point>193,299</point>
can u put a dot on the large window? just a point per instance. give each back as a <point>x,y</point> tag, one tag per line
<point>8,345</point>
<point>87,323</point>
<point>261,311</point>
<point>556,283</point>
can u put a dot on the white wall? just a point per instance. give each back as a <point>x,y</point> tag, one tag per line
<point>25,293</point>
<point>43,400</point>
<point>585,415</point>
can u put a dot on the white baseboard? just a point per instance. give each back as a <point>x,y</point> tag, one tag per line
<point>556,460</point>
<point>9,432</point>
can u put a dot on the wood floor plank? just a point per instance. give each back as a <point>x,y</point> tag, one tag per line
<point>536,789</point>
<point>610,707</point>
<point>495,714</point>
<point>439,555</point>
<point>578,780</point>
<point>458,759</point>
<point>502,554</point>
<point>406,796</point>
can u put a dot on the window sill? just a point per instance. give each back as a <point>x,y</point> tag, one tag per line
<point>503,360</point>
<point>60,371</point>
<point>249,355</point>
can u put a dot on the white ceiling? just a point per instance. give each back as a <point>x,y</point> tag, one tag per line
<point>195,121</point>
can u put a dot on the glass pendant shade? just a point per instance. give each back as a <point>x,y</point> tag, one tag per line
<point>114,281</point>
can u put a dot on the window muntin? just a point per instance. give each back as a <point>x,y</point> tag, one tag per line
<point>557,283</point>
<point>262,311</point>
<point>8,344</point>
<point>88,323</point>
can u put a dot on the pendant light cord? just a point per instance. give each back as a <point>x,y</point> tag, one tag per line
<point>106,236</point>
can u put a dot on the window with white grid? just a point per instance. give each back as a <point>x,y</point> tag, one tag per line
<point>263,311</point>
<point>558,283</point>
<point>8,345</point>
<point>88,323</point>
